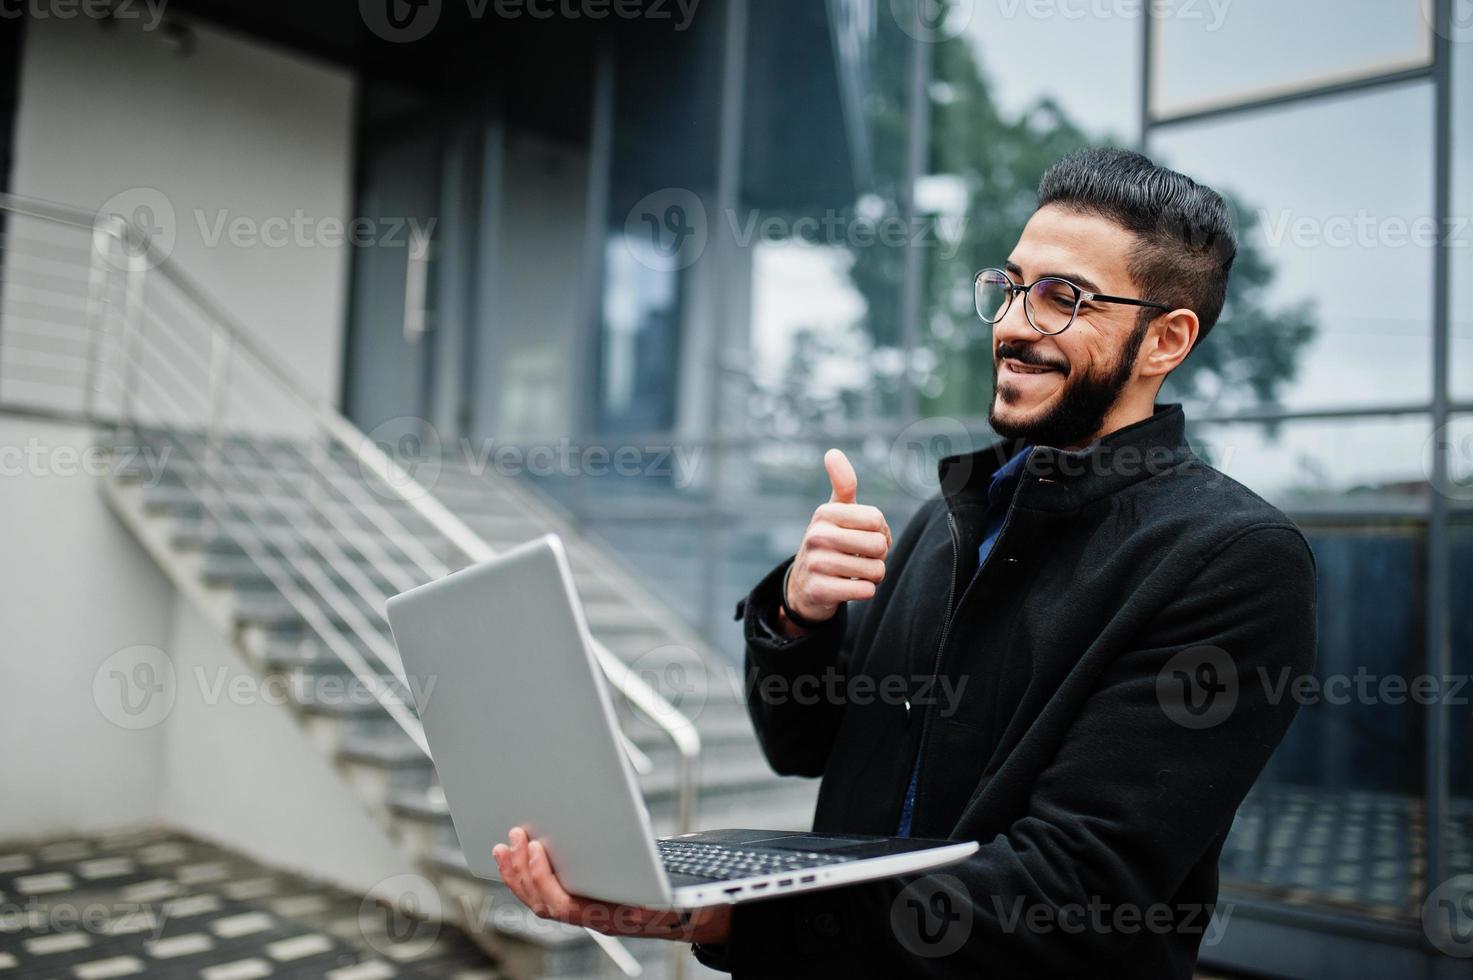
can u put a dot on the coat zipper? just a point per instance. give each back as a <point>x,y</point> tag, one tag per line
<point>950,604</point>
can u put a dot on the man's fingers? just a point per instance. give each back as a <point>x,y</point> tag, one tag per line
<point>847,566</point>
<point>860,517</point>
<point>829,590</point>
<point>520,881</point>
<point>867,544</point>
<point>842,480</point>
<point>549,889</point>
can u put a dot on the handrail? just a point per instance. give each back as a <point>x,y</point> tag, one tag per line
<point>337,428</point>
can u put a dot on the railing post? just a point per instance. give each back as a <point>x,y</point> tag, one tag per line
<point>132,332</point>
<point>104,240</point>
<point>221,349</point>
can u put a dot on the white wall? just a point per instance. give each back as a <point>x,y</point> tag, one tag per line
<point>238,769</point>
<point>80,600</point>
<point>75,588</point>
<point>233,129</point>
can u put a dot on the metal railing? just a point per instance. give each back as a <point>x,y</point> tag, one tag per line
<point>96,321</point>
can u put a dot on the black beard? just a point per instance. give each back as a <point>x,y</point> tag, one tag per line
<point>1081,409</point>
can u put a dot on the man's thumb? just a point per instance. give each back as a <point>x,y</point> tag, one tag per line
<point>841,477</point>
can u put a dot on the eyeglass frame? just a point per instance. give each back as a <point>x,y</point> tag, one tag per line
<point>1081,295</point>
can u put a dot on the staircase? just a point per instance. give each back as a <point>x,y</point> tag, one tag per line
<point>288,528</point>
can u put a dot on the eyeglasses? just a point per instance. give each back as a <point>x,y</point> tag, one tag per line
<point>1050,304</point>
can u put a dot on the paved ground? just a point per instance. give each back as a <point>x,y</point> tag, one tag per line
<point>158,904</point>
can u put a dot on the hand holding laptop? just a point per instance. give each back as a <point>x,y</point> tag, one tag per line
<point>527,871</point>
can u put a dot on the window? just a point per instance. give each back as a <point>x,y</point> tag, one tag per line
<point>1209,54</point>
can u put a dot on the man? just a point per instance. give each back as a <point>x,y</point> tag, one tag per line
<point>1084,636</point>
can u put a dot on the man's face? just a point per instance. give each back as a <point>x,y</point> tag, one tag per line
<point>1057,390</point>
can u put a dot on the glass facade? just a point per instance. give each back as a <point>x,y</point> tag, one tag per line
<point>765,245</point>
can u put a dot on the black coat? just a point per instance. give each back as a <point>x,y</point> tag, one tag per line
<point>1107,687</point>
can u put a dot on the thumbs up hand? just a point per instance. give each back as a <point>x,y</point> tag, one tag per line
<point>842,556</point>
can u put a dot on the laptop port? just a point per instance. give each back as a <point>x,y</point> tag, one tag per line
<point>784,881</point>
<point>757,887</point>
<point>807,878</point>
<point>737,890</point>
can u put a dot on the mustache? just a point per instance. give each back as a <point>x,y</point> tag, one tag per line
<point>1026,355</point>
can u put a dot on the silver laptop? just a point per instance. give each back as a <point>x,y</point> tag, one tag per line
<point>522,730</point>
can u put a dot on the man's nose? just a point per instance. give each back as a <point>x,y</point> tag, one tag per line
<point>1014,326</point>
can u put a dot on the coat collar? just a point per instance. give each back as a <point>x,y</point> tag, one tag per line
<point>1063,479</point>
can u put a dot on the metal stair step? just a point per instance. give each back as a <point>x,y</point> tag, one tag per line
<point>244,575</point>
<point>272,610</point>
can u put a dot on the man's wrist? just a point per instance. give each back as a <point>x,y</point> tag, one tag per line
<point>792,622</point>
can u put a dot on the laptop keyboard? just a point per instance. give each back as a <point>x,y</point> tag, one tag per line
<point>720,862</point>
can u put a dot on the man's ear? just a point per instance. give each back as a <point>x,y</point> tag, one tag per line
<point>1168,341</point>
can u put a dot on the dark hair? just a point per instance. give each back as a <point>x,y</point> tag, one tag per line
<point>1184,231</point>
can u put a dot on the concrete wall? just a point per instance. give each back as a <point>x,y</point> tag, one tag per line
<point>238,769</point>
<point>228,131</point>
<point>75,589</point>
<point>90,623</point>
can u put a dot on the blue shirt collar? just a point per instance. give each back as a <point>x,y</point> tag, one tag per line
<point>1006,475</point>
